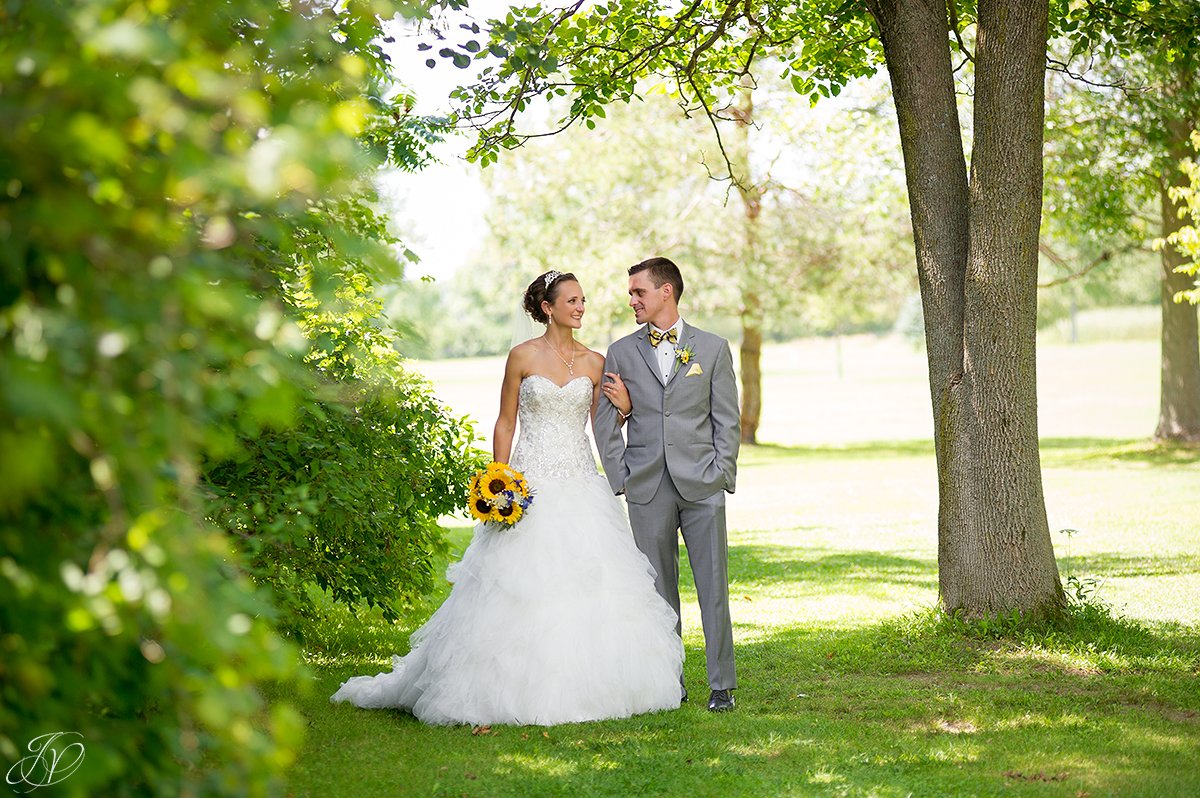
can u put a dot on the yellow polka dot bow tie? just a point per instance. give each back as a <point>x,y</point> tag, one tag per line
<point>657,337</point>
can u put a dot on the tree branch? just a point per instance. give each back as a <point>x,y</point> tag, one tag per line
<point>722,25</point>
<point>680,19</point>
<point>1059,66</point>
<point>1061,262</point>
<point>952,9</point>
<point>712,119</point>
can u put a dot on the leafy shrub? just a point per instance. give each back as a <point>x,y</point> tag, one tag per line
<point>159,163</point>
<point>348,498</point>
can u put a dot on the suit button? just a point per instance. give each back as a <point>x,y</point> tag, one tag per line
<point>667,413</point>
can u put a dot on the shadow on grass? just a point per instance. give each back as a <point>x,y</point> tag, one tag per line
<point>823,572</point>
<point>1111,564</point>
<point>1139,451</point>
<point>1095,444</point>
<point>911,705</point>
<point>1057,451</point>
<point>767,453</point>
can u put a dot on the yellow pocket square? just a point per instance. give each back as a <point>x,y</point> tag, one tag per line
<point>694,370</point>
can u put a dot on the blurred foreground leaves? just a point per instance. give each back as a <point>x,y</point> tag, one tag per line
<point>188,334</point>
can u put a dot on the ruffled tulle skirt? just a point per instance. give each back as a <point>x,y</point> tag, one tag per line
<point>555,620</point>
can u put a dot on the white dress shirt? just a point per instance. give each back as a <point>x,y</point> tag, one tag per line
<point>666,349</point>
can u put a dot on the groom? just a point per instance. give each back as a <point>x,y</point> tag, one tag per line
<point>679,458</point>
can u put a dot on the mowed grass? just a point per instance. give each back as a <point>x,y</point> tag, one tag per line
<point>850,682</point>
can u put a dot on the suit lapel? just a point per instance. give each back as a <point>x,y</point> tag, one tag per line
<point>648,353</point>
<point>686,338</point>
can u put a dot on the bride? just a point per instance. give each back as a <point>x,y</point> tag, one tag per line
<point>556,619</point>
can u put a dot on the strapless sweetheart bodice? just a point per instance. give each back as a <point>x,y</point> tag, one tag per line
<point>553,418</point>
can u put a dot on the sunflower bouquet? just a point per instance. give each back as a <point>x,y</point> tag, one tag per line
<point>499,494</point>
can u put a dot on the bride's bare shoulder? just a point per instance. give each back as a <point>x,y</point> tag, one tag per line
<point>524,349</point>
<point>521,355</point>
<point>594,359</point>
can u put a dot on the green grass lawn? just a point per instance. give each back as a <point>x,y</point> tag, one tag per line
<point>850,682</point>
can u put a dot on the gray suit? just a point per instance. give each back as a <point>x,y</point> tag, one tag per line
<point>678,463</point>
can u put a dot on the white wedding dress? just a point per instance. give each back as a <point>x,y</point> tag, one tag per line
<point>555,620</point>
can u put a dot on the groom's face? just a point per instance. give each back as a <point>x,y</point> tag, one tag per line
<point>646,300</point>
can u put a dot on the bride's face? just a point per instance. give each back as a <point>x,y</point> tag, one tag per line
<point>567,308</point>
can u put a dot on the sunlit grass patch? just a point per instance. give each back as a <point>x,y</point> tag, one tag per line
<point>542,765</point>
<point>851,682</point>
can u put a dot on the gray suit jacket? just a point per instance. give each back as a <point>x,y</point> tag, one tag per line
<point>691,426</point>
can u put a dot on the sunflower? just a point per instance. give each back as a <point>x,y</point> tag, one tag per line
<point>481,509</point>
<point>509,514</point>
<point>494,480</point>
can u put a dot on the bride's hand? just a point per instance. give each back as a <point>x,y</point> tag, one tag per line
<point>617,393</point>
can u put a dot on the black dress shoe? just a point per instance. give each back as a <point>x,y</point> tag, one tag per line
<point>720,701</point>
<point>683,697</point>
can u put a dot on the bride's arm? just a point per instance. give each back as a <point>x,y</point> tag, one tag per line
<point>606,428</point>
<point>506,422</point>
<point>608,386</point>
<point>595,371</point>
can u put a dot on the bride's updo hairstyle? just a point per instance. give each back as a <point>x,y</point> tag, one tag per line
<point>544,288</point>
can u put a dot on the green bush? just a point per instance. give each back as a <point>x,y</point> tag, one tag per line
<point>166,171</point>
<point>348,498</point>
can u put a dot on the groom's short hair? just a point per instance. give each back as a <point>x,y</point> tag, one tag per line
<point>661,270</point>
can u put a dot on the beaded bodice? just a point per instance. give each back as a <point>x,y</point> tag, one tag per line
<point>552,442</point>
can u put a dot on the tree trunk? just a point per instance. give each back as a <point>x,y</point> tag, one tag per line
<point>1005,558</point>
<point>1179,400</point>
<point>752,271</point>
<point>751,357</point>
<point>976,253</point>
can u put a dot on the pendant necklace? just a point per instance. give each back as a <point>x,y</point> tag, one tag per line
<point>570,366</point>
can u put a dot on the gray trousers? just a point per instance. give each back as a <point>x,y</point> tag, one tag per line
<point>655,530</point>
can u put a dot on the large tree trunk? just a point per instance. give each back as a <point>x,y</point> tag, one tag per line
<point>1004,559</point>
<point>1179,400</point>
<point>976,252</point>
<point>752,273</point>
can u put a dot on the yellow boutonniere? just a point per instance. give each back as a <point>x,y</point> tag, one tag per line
<point>684,354</point>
